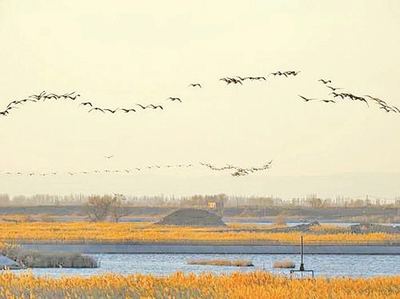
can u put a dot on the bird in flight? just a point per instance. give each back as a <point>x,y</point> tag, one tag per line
<point>13,103</point>
<point>363,100</point>
<point>293,73</point>
<point>286,74</point>
<point>51,96</point>
<point>306,99</point>
<point>71,96</point>
<point>155,106</point>
<point>96,109</point>
<point>233,80</point>
<point>226,80</point>
<point>39,96</point>
<point>229,80</point>
<point>254,78</point>
<point>173,99</point>
<point>395,109</point>
<point>325,81</point>
<point>335,94</point>
<point>5,112</point>
<point>278,73</point>
<point>386,108</point>
<point>86,104</point>
<point>111,111</point>
<point>21,102</point>
<point>328,101</point>
<point>195,85</point>
<point>141,106</point>
<point>379,101</point>
<point>333,88</point>
<point>128,110</point>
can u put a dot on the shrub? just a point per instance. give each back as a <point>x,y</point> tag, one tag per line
<point>285,264</point>
<point>234,263</point>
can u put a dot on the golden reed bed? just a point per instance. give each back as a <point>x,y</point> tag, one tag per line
<point>237,285</point>
<point>146,232</point>
<point>221,262</point>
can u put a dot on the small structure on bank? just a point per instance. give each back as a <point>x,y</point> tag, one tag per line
<point>192,217</point>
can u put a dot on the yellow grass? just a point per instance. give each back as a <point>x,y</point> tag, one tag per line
<point>237,285</point>
<point>146,232</point>
<point>233,263</point>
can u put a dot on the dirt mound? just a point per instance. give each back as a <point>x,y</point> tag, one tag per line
<point>192,217</point>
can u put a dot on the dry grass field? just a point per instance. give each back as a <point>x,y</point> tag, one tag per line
<point>236,285</point>
<point>106,232</point>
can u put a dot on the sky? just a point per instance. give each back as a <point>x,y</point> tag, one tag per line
<point>119,53</point>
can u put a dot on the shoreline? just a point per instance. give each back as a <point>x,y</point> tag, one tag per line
<point>176,248</point>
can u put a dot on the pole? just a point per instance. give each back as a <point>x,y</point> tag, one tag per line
<point>302,254</point>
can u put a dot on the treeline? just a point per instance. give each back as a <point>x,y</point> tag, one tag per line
<point>198,200</point>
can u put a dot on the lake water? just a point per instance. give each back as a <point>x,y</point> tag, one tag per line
<point>164,264</point>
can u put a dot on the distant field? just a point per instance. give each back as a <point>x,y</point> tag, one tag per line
<point>107,232</point>
<point>377,214</point>
<point>350,214</point>
<point>236,285</point>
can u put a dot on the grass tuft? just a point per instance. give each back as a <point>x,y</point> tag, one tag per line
<point>232,263</point>
<point>285,264</point>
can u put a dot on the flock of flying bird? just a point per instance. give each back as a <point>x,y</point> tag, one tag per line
<point>237,171</point>
<point>334,92</point>
<point>240,80</point>
<point>97,171</point>
<point>43,96</point>
<point>352,97</point>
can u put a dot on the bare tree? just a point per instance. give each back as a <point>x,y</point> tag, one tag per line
<point>98,207</point>
<point>315,202</point>
<point>117,208</point>
<point>280,220</point>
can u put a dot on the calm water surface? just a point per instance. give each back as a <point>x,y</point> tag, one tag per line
<point>164,264</point>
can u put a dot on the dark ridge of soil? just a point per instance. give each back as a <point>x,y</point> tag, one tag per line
<point>192,217</point>
<point>374,228</point>
<point>297,228</point>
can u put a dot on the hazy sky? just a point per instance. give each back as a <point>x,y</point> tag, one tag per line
<point>118,53</point>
